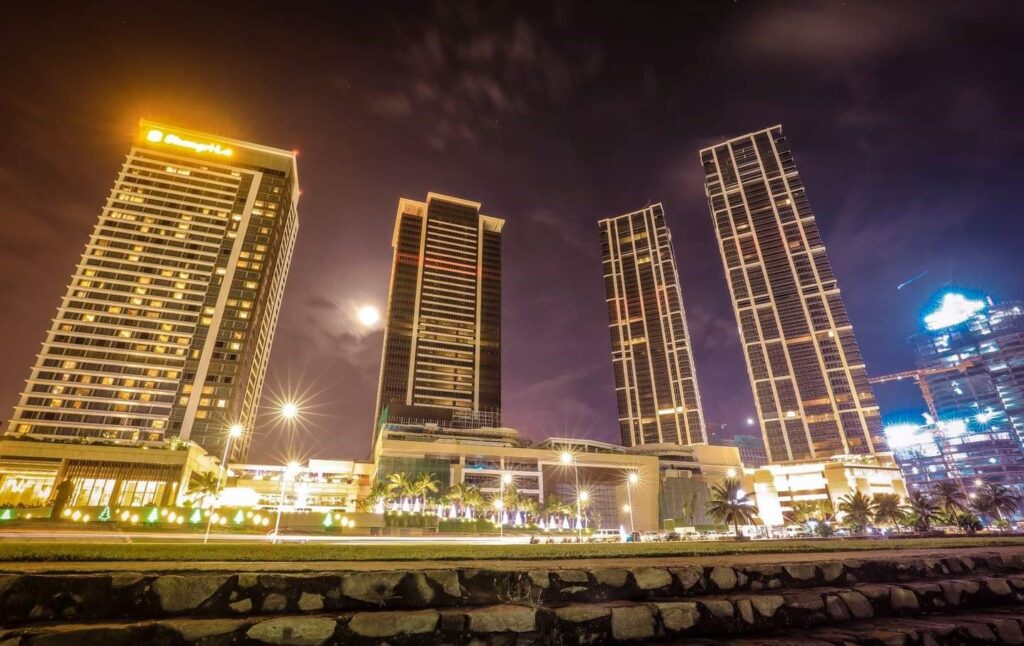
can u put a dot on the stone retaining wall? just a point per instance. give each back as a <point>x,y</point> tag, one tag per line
<point>33,597</point>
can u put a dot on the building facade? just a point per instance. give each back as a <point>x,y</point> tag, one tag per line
<point>809,381</point>
<point>442,339</point>
<point>971,353</point>
<point>655,378</point>
<point>166,327</point>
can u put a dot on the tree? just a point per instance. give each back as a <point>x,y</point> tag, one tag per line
<point>425,483</point>
<point>456,493</point>
<point>555,506</point>
<point>950,500</point>
<point>997,501</point>
<point>399,484</point>
<point>378,492</point>
<point>803,511</point>
<point>858,510</point>
<point>923,510</point>
<point>731,505</point>
<point>889,509</point>
<point>205,484</point>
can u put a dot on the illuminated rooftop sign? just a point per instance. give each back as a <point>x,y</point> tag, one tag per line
<point>953,309</point>
<point>159,136</point>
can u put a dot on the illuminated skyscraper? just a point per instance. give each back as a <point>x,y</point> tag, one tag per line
<point>166,327</point>
<point>809,381</point>
<point>442,340</point>
<point>655,379</point>
<point>971,354</point>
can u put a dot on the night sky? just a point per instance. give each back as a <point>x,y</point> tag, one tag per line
<point>904,119</point>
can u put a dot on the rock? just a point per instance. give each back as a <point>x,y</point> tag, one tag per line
<point>801,571</point>
<point>746,610</point>
<point>422,593</point>
<point>580,613</point>
<point>1009,631</point>
<point>857,604</point>
<point>177,593</point>
<point>805,601</point>
<point>371,587</point>
<point>245,605</point>
<point>766,605</point>
<point>831,571</point>
<point>193,630</point>
<point>310,601</point>
<point>724,577</point>
<point>718,607</point>
<point>293,631</point>
<point>500,619</point>
<point>886,637</point>
<point>998,587</point>
<point>117,581</point>
<point>540,578</point>
<point>612,577</point>
<point>40,612</point>
<point>448,580</point>
<point>573,576</point>
<point>274,602</point>
<point>651,578</point>
<point>679,615</point>
<point>390,624</point>
<point>903,600</point>
<point>689,576</point>
<point>874,591</point>
<point>836,608</point>
<point>979,631</point>
<point>952,591</point>
<point>6,581</point>
<point>248,580</point>
<point>632,622</point>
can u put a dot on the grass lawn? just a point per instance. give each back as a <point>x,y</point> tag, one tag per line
<point>13,550</point>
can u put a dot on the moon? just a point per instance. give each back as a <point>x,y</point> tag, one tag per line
<point>368,315</point>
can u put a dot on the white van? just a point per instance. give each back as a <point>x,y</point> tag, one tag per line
<point>606,536</point>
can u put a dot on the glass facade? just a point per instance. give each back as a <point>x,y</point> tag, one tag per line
<point>442,341</point>
<point>809,381</point>
<point>655,379</point>
<point>166,327</point>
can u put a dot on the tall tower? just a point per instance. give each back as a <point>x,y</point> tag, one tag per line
<point>809,381</point>
<point>655,380</point>
<point>166,326</point>
<point>442,340</point>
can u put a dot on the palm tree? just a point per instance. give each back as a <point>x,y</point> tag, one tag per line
<point>997,500</point>
<point>424,484</point>
<point>803,511</point>
<point>858,510</point>
<point>731,505</point>
<point>400,484</point>
<point>205,484</point>
<point>923,510</point>
<point>456,493</point>
<point>950,500</point>
<point>378,491</point>
<point>473,499</point>
<point>889,509</point>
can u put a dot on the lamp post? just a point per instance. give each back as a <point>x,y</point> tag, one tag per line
<point>506,479</point>
<point>291,470</point>
<point>568,458</point>
<point>234,432</point>
<point>631,480</point>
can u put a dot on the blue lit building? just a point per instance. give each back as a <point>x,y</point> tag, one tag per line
<point>971,358</point>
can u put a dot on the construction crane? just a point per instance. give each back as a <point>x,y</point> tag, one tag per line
<point>918,376</point>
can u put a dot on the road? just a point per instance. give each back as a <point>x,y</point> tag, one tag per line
<point>120,536</point>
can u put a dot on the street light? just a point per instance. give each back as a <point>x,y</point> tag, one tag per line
<point>234,432</point>
<point>289,410</point>
<point>506,479</point>
<point>291,470</point>
<point>568,458</point>
<point>631,480</point>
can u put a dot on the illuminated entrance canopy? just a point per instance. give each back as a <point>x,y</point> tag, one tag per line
<point>159,136</point>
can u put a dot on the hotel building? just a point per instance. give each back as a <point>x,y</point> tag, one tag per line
<point>810,386</point>
<point>166,327</point>
<point>655,379</point>
<point>442,341</point>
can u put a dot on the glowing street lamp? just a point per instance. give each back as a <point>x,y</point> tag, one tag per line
<point>568,458</point>
<point>234,433</point>
<point>289,410</point>
<point>631,480</point>
<point>291,470</point>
